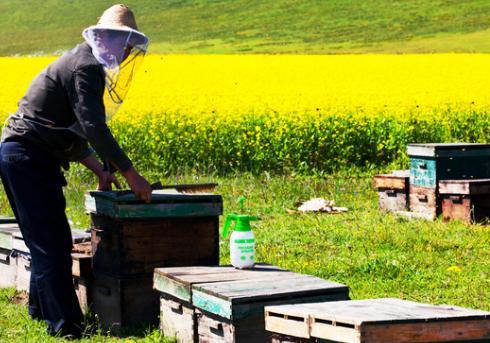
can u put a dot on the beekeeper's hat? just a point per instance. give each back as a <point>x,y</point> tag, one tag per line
<point>118,17</point>
<point>118,45</point>
<point>116,28</point>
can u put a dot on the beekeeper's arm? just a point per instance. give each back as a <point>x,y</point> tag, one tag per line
<point>87,102</point>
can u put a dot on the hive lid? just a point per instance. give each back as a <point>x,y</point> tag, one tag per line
<point>178,281</point>
<point>164,204</point>
<point>385,310</point>
<point>157,196</point>
<point>448,149</point>
<point>243,298</point>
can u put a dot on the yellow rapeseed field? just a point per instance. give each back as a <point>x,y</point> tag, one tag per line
<point>288,112</point>
<point>285,84</point>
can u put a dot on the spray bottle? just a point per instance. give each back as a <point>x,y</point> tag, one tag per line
<point>242,240</point>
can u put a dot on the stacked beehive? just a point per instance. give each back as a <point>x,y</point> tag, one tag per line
<point>131,238</point>
<point>8,262</point>
<point>224,304</point>
<point>376,321</point>
<point>15,261</point>
<point>451,179</point>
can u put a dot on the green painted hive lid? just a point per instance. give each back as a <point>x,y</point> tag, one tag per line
<point>164,204</point>
<point>449,149</point>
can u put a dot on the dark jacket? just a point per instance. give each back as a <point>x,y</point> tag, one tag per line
<point>69,91</point>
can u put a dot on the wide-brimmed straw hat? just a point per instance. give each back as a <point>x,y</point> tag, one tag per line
<point>117,17</point>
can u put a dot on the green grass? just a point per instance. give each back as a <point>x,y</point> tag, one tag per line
<point>376,255</point>
<point>16,326</point>
<point>259,26</point>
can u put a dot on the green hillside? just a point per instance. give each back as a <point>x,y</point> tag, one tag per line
<point>259,26</point>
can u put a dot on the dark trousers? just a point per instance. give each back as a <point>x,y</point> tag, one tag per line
<point>33,182</point>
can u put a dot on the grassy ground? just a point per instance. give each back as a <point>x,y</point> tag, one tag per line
<point>251,26</point>
<point>376,255</point>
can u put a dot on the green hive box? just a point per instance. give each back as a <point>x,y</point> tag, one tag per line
<point>432,162</point>
<point>130,238</point>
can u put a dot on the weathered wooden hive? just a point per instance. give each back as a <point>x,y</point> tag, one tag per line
<point>8,263</point>
<point>376,321</point>
<point>465,200</point>
<point>435,162</point>
<point>130,238</point>
<point>15,261</point>
<point>393,190</point>
<point>224,304</point>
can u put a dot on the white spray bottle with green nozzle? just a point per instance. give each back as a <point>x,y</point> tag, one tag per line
<point>242,240</point>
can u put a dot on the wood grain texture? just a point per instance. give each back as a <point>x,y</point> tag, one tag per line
<point>239,299</point>
<point>288,324</point>
<point>124,303</point>
<point>268,288</point>
<point>392,200</point>
<point>448,331</point>
<point>213,329</point>
<point>390,181</point>
<point>387,320</point>
<point>425,200</point>
<point>8,269</point>
<point>178,320</point>
<point>23,273</point>
<point>81,265</point>
<point>178,281</point>
<point>465,187</point>
<point>84,289</point>
<point>467,208</point>
<point>138,246</point>
<point>7,231</point>
<point>229,303</point>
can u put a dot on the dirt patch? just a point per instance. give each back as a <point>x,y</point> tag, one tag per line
<point>19,298</point>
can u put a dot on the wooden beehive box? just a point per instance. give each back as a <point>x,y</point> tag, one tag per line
<point>19,267</point>
<point>122,303</point>
<point>431,163</point>
<point>434,162</point>
<point>393,190</point>
<point>8,264</point>
<point>131,238</point>
<point>177,314</point>
<point>378,321</point>
<point>83,279</point>
<point>223,304</point>
<point>18,271</point>
<point>8,270</point>
<point>466,200</point>
<point>425,201</point>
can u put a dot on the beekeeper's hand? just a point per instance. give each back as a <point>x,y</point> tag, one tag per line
<point>138,184</point>
<point>106,179</point>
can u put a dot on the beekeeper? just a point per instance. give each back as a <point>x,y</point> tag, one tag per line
<point>61,118</point>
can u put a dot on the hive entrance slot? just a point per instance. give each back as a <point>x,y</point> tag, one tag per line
<point>332,323</point>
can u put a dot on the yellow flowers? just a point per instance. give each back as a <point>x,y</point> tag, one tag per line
<point>454,269</point>
<point>257,84</point>
<point>282,112</point>
<point>282,84</point>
